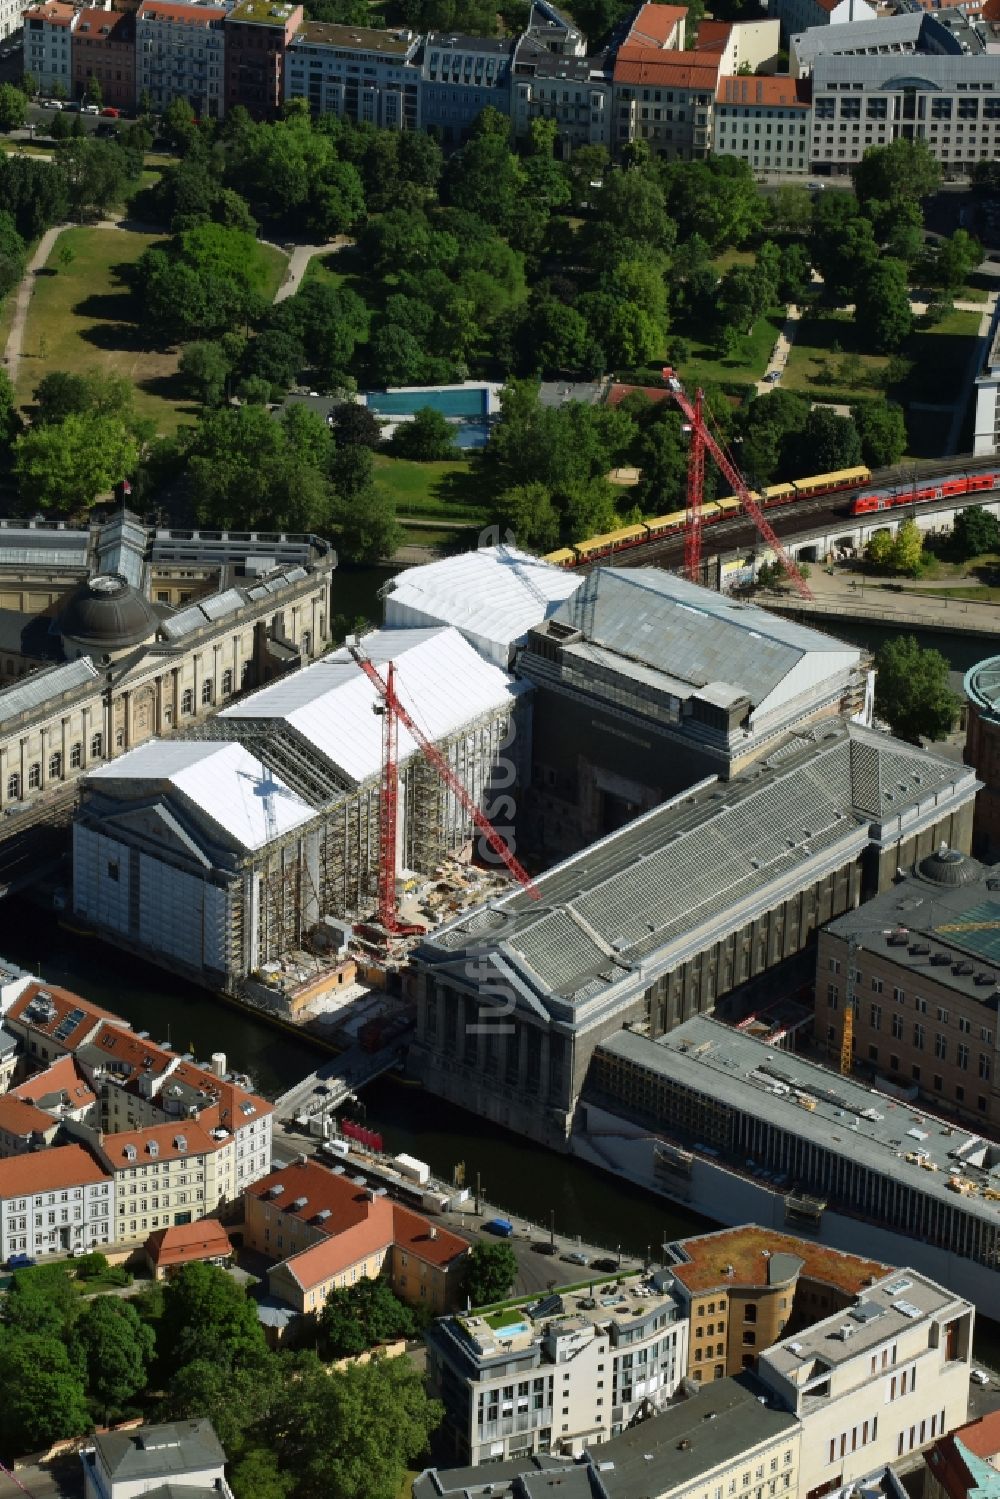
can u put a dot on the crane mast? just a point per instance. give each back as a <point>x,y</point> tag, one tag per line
<point>702,438</point>
<point>393,713</point>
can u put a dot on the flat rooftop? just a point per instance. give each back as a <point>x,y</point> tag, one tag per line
<point>887,1309</point>
<point>942,922</point>
<point>753,1256</point>
<point>625,1302</point>
<point>838,1114</point>
<point>354,38</point>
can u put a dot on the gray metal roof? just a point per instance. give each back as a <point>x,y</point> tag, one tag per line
<point>893,32</point>
<point>43,687</point>
<point>643,899</point>
<point>850,1119</point>
<point>168,1451</point>
<point>918,70</point>
<point>690,634</point>
<point>122,543</point>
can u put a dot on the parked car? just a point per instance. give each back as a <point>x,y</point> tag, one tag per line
<point>20,1262</point>
<point>542,1246</point>
<point>576,1257</point>
<point>110,112</point>
<point>773,377</point>
<point>90,109</point>
<point>502,1227</point>
<point>607,1264</point>
<point>979,1376</point>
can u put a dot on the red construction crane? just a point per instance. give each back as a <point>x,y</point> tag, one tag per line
<point>392,714</point>
<point>701,438</point>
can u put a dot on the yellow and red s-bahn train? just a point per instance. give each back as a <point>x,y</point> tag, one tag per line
<point>942,486</point>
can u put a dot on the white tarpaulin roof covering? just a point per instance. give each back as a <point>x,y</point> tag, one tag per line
<point>493,596</point>
<point>440,679</point>
<point>225,782</point>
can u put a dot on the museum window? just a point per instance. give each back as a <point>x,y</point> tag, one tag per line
<point>55,766</point>
<point>76,756</point>
<point>14,787</point>
<point>96,745</point>
<point>187,701</point>
<point>34,777</point>
<point>227,683</point>
<point>207,690</point>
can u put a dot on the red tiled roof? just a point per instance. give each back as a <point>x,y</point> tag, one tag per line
<point>346,1204</point>
<point>119,24</point>
<point>63,1076</point>
<point>692,70</point>
<point>337,1253</point>
<point>49,1170</point>
<point>713,35</point>
<point>788,93</point>
<point>654,25</point>
<point>197,15</point>
<point>63,1003</point>
<point>55,13</point>
<point>424,1240</point>
<point>129,1050</point>
<point>747,1250</point>
<point>982,1437</point>
<point>225,1102</point>
<point>197,1141</point>
<point>205,1240</point>
<point>20,1118</point>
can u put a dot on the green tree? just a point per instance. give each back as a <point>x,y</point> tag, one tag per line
<point>428,436</point>
<point>527,511</point>
<point>355,1318</point>
<point>10,420</point>
<point>899,227</point>
<point>204,370</point>
<point>115,1350</point>
<point>912,692</point>
<point>64,466</point>
<point>905,168</point>
<point>791,209</point>
<point>96,173</point>
<point>207,1315</point>
<point>396,357</point>
<point>881,427</point>
<point>842,243</point>
<point>907,549</point>
<point>956,258</point>
<point>490,1271</point>
<point>882,310</point>
<point>93,93</point>
<point>364,525</point>
<point>975,532</point>
<point>13,107</point>
<point>40,1301</point>
<point>879,550</point>
<point>44,1398</point>
<point>355,425</point>
<point>34,193</point>
<point>258,1473</point>
<point>179,125</point>
<point>12,254</point>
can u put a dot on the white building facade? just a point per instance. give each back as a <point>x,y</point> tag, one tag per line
<point>180,54</point>
<point>357,72</point>
<point>54,1201</point>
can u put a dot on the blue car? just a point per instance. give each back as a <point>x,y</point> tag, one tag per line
<point>502,1227</point>
<point>20,1262</point>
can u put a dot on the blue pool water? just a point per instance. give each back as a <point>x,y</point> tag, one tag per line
<point>469,403</point>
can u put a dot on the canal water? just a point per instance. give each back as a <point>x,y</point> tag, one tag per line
<point>521,1177</point>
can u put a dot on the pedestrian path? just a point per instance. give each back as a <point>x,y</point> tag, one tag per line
<point>15,339</point>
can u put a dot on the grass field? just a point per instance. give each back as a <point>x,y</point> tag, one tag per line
<point>81,317</point>
<point>446,491</point>
<point>747,363</point>
<point>826,339</point>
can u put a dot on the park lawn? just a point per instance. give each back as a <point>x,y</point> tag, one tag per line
<point>747,363</point>
<point>822,340</point>
<point>725,262</point>
<point>445,491</point>
<point>81,318</point>
<point>276,262</point>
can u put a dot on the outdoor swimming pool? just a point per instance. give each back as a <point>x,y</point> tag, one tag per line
<point>473,402</point>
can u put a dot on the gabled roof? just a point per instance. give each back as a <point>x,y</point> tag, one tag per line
<point>63,1081</point>
<point>17,1117</point>
<point>224,782</point>
<point>62,1016</point>
<point>691,70</point>
<point>654,24</point>
<point>443,682</point>
<point>49,1171</point>
<point>204,1240</point>
<point>178,1140</point>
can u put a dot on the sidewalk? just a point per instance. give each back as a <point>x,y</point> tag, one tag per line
<point>887,603</point>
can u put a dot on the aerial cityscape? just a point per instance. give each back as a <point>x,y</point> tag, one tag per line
<point>500,749</point>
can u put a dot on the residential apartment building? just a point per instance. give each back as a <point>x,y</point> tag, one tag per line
<point>103,48</point>
<point>732,1439</point>
<point>53,1201</point>
<point>743,1288</point>
<point>876,1383</point>
<point>356,71</point>
<point>180,55</point>
<point>764,121</point>
<point>571,1369</point>
<point>924,974</point>
<point>48,31</point>
<point>951,102</point>
<point>182,1457</point>
<point>459,77</point>
<point>258,34</point>
<point>11,17</point>
<point>576,92</point>
<point>327,1231</point>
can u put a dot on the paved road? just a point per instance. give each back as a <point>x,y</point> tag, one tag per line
<point>298,262</point>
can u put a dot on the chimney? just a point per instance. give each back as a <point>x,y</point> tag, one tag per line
<point>434,1232</point>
